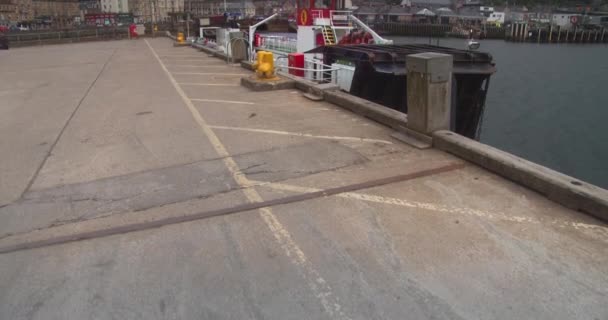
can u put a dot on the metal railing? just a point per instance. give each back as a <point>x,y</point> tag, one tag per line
<point>341,18</point>
<point>278,43</point>
<point>316,14</point>
<point>39,38</point>
<point>316,70</point>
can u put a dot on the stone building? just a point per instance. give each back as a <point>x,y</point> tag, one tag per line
<point>59,13</point>
<point>12,11</point>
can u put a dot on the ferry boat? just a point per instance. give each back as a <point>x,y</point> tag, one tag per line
<point>334,46</point>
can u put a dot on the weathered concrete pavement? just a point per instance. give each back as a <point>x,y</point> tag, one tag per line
<point>100,135</point>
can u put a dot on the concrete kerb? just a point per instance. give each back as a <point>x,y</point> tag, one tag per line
<point>215,53</point>
<point>169,35</point>
<point>379,113</point>
<point>556,186</point>
<point>255,84</point>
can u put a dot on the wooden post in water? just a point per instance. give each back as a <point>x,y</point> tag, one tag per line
<point>589,36</point>
<point>603,31</point>
<point>512,31</point>
<point>526,31</point>
<point>595,37</point>
<point>559,33</point>
<point>538,35</point>
<point>575,30</point>
<point>550,32</point>
<point>567,33</point>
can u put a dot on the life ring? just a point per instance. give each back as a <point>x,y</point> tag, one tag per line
<point>573,19</point>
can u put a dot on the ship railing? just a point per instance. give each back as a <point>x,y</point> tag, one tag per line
<point>314,70</point>
<point>278,43</point>
<point>316,14</point>
<point>341,18</point>
<point>319,18</point>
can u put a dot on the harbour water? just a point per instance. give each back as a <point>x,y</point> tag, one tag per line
<point>547,103</point>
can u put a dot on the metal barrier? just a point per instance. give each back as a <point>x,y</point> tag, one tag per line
<point>278,43</point>
<point>316,71</point>
<point>39,38</point>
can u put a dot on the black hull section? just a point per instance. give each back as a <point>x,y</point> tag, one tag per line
<point>380,76</point>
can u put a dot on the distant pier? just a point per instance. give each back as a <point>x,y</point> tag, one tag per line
<point>524,32</point>
<point>435,30</point>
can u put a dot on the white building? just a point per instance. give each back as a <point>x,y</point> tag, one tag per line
<point>566,20</point>
<point>239,8</point>
<point>114,6</point>
<point>486,11</point>
<point>496,18</point>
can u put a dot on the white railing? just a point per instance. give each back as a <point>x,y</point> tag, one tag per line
<point>340,18</point>
<point>278,43</point>
<point>317,14</point>
<point>314,70</point>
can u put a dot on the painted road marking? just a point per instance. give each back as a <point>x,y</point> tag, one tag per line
<point>208,84</point>
<point>436,207</point>
<point>299,134</point>
<point>210,74</point>
<point>183,56</point>
<point>197,66</point>
<point>222,101</point>
<point>316,283</point>
<point>173,60</point>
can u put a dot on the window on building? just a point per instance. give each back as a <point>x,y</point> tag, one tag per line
<point>322,4</point>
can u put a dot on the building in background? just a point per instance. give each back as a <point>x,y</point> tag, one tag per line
<point>114,6</point>
<point>236,9</point>
<point>39,14</point>
<point>59,14</point>
<point>13,11</point>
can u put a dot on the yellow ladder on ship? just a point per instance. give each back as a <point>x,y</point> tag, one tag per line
<point>329,35</point>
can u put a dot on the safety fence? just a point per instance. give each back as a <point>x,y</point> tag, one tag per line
<point>66,36</point>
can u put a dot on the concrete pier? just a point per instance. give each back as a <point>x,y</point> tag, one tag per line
<point>190,196</point>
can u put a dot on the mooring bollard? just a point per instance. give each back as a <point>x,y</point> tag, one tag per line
<point>429,83</point>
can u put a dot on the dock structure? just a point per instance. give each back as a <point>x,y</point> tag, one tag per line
<point>522,32</point>
<point>141,181</point>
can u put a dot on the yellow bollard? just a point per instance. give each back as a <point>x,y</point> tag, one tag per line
<point>180,37</point>
<point>264,65</point>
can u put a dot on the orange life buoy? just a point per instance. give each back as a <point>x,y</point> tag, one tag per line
<point>573,19</point>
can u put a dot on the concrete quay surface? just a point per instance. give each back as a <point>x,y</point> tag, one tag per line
<point>124,140</point>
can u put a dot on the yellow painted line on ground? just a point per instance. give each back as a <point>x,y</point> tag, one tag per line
<point>299,134</point>
<point>183,56</point>
<point>195,66</point>
<point>321,289</point>
<point>210,74</point>
<point>201,60</point>
<point>438,207</point>
<point>222,101</point>
<point>208,84</point>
